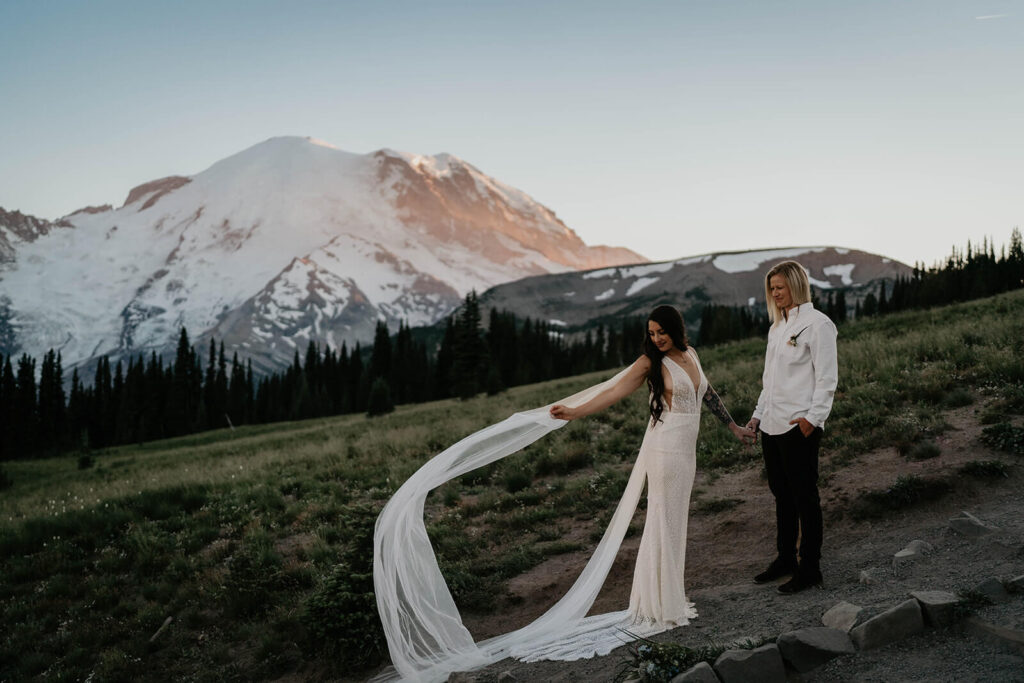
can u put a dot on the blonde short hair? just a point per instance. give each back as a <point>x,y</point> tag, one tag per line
<point>796,279</point>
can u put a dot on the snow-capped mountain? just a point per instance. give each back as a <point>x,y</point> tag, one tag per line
<point>573,301</point>
<point>17,229</point>
<point>287,241</point>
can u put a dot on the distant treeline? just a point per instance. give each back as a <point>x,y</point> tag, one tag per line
<point>149,399</point>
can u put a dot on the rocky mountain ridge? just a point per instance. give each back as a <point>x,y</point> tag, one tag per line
<point>573,301</point>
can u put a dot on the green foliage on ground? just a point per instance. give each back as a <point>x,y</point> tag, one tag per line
<point>714,505</point>
<point>907,491</point>
<point>1005,437</point>
<point>255,541</point>
<point>654,662</point>
<point>986,469</point>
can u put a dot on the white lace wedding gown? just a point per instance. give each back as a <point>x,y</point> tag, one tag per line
<point>425,634</point>
<point>669,455</point>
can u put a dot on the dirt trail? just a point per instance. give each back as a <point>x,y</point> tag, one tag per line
<point>726,549</point>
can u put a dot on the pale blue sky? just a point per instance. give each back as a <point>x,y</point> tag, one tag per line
<point>673,128</point>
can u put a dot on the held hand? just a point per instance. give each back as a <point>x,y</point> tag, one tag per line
<point>753,425</point>
<point>805,427</point>
<point>560,412</point>
<point>744,434</point>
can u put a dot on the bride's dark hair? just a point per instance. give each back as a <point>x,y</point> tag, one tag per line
<point>672,322</point>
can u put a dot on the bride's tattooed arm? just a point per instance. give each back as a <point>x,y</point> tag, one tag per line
<point>715,405</point>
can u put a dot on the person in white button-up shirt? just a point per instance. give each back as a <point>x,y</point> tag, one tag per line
<point>799,381</point>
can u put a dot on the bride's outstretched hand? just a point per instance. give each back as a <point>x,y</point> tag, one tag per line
<point>560,412</point>
<point>744,434</point>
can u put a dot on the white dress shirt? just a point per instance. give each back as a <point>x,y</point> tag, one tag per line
<point>801,371</point>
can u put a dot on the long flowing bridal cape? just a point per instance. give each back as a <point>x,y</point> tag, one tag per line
<point>425,634</point>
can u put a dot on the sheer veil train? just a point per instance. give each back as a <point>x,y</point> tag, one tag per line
<point>424,631</point>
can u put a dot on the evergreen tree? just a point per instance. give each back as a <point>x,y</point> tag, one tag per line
<point>468,351</point>
<point>500,341</point>
<point>494,384</point>
<point>301,396</point>
<point>341,381</point>
<point>840,306</point>
<point>380,398</point>
<point>250,392</point>
<point>402,372</point>
<point>77,413</point>
<point>209,381</point>
<point>25,425</point>
<point>870,306</point>
<point>219,408</point>
<point>130,422</point>
<point>380,356</point>
<point>8,403</point>
<point>99,399</point>
<point>356,380</point>
<point>238,392</point>
<point>1014,268</point>
<point>157,384</point>
<point>181,406</point>
<point>444,369</point>
<point>51,404</point>
<point>116,398</point>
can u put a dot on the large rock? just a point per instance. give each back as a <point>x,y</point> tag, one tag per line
<point>993,589</point>
<point>842,616</point>
<point>938,607</point>
<point>896,623</point>
<point>970,526</point>
<point>701,673</point>
<point>1016,584</point>
<point>809,648</point>
<point>1007,638</point>
<point>762,665</point>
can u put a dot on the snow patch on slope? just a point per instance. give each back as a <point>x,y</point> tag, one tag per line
<point>641,284</point>
<point>752,260</point>
<point>843,271</point>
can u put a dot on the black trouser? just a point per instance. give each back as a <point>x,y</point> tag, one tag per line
<point>792,463</point>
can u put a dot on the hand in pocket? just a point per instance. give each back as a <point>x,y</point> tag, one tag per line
<point>806,428</point>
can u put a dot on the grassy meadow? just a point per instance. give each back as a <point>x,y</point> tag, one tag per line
<point>256,541</point>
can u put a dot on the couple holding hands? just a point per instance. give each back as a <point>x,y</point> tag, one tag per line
<point>422,625</point>
<point>798,384</point>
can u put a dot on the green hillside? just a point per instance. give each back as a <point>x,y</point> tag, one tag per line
<point>255,542</point>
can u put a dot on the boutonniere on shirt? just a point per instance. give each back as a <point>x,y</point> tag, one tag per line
<point>793,338</point>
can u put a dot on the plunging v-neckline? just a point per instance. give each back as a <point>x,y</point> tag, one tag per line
<point>693,384</point>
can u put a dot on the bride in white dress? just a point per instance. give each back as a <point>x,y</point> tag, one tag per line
<point>425,635</point>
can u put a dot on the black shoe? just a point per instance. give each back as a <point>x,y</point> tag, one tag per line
<point>776,570</point>
<point>799,582</point>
